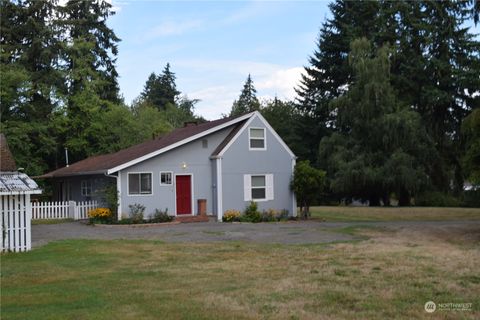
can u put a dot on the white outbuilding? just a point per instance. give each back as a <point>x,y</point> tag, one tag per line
<point>15,191</point>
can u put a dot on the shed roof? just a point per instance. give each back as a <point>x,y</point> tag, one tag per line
<point>17,183</point>
<point>107,162</point>
<point>7,162</point>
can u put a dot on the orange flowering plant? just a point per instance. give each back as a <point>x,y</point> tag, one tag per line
<point>100,215</point>
<point>231,215</point>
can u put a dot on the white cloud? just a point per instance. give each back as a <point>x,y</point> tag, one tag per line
<point>215,101</point>
<point>171,28</point>
<point>225,80</point>
<point>283,82</point>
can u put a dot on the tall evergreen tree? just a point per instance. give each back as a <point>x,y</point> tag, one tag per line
<point>90,51</point>
<point>434,69</point>
<point>247,102</point>
<point>29,59</point>
<point>381,146</point>
<point>32,81</point>
<point>471,159</point>
<point>328,74</point>
<point>88,36</point>
<point>160,90</point>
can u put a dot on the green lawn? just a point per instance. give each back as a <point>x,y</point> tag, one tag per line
<point>393,213</point>
<point>390,275</point>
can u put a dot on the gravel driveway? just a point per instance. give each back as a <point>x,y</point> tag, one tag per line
<point>299,232</point>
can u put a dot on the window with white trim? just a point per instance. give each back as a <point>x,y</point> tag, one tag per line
<point>139,183</point>
<point>166,178</point>
<point>258,187</point>
<point>257,139</point>
<point>86,188</point>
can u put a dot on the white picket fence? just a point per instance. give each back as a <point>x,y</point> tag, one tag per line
<point>15,224</point>
<point>62,209</point>
<point>82,208</point>
<point>18,211</point>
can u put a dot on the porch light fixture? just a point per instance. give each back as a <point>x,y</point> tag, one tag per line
<point>184,165</point>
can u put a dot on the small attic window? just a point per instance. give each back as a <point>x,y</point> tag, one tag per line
<point>257,139</point>
<point>204,143</point>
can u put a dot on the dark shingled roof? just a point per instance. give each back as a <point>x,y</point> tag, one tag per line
<point>100,164</point>
<point>227,139</point>
<point>7,162</point>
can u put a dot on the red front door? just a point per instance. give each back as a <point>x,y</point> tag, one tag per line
<point>183,185</point>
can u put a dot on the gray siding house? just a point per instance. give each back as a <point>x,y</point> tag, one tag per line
<point>226,163</point>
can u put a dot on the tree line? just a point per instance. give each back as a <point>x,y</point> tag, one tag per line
<point>59,86</point>
<point>389,102</point>
<point>388,106</point>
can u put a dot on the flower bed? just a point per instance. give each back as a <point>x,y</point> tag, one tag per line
<point>136,217</point>
<point>251,214</point>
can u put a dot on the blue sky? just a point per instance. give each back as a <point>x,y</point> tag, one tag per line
<point>213,45</point>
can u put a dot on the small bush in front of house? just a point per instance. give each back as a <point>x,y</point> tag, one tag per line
<point>284,215</point>
<point>100,215</point>
<point>270,215</point>
<point>160,216</point>
<point>136,213</point>
<point>251,213</point>
<point>231,215</point>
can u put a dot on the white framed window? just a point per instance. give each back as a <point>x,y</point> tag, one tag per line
<point>86,188</point>
<point>258,187</point>
<point>256,139</point>
<point>166,178</point>
<point>140,183</point>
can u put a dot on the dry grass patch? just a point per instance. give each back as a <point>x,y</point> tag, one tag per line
<point>391,275</point>
<point>339,213</point>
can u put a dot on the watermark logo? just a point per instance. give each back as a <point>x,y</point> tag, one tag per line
<point>430,307</point>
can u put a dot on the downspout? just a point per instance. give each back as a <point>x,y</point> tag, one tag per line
<point>294,198</point>
<point>218,187</point>
<point>119,194</point>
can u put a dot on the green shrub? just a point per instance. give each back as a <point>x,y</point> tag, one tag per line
<point>110,196</point>
<point>270,215</point>
<point>160,216</point>
<point>251,213</point>
<point>471,198</point>
<point>136,213</point>
<point>437,199</point>
<point>231,215</point>
<point>284,215</point>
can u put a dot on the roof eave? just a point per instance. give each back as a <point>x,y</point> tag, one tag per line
<point>73,174</point>
<point>13,192</point>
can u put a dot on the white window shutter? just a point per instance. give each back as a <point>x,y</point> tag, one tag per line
<point>269,182</point>
<point>247,187</point>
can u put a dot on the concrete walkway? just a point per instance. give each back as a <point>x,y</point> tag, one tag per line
<point>297,232</point>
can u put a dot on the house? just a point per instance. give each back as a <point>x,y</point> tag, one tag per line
<point>223,164</point>
<point>15,190</point>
